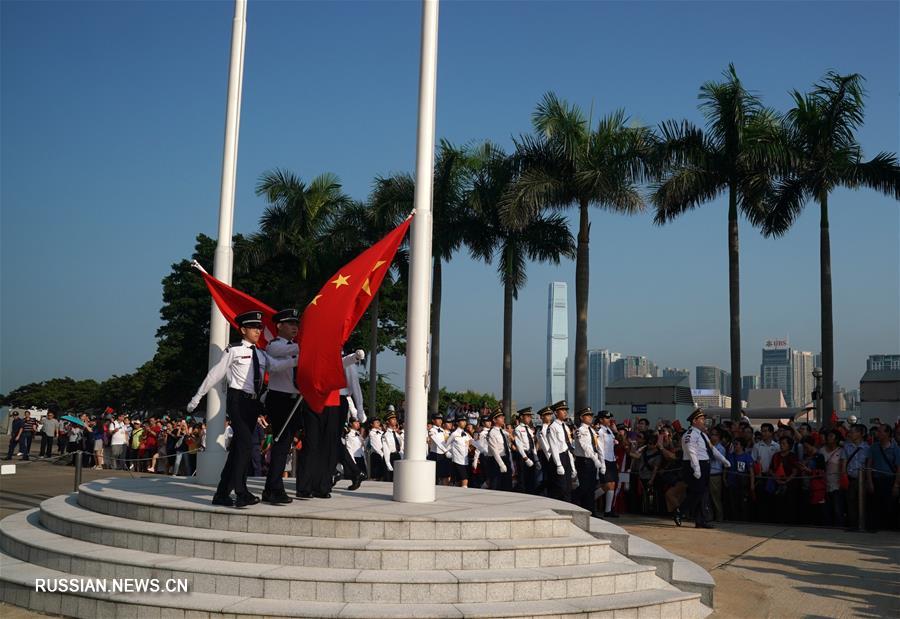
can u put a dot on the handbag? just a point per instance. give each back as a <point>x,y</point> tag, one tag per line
<point>844,482</point>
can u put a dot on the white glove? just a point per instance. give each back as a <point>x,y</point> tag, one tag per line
<point>192,405</point>
<point>360,354</point>
<point>529,463</point>
<point>448,455</point>
<point>560,470</point>
<point>603,469</point>
<point>598,464</point>
<point>502,468</point>
<point>696,474</point>
<point>726,464</point>
<point>390,468</point>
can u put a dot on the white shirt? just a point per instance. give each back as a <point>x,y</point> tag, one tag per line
<point>525,443</point>
<point>352,390</point>
<point>584,443</point>
<point>354,444</point>
<point>763,452</point>
<point>543,435</point>
<point>392,442</point>
<point>459,443</point>
<point>237,365</point>
<point>697,447</point>
<point>119,433</point>
<point>607,444</point>
<point>436,439</point>
<point>498,445</point>
<point>282,380</point>
<point>374,440</point>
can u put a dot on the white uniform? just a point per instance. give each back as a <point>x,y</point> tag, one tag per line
<point>282,380</point>
<point>481,446</point>
<point>498,447</point>
<point>584,446</point>
<point>236,365</point>
<point>559,442</point>
<point>354,444</point>
<point>391,442</point>
<point>607,444</point>
<point>352,391</point>
<point>459,443</point>
<point>437,438</point>
<point>526,445</point>
<point>697,447</point>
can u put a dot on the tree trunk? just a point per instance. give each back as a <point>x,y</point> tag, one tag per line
<point>507,349</point>
<point>435,386</point>
<point>582,282</point>
<point>373,353</point>
<point>734,303</point>
<point>827,394</point>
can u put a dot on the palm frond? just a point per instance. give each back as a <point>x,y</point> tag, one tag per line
<point>685,189</point>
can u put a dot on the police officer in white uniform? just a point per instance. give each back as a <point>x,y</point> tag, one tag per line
<point>377,467</point>
<point>459,449</point>
<point>607,448</point>
<point>437,449</point>
<point>500,451</point>
<point>587,460</point>
<point>281,399</point>
<point>695,469</point>
<point>353,444</point>
<point>244,365</point>
<point>526,456</point>
<point>560,444</point>
<point>391,445</point>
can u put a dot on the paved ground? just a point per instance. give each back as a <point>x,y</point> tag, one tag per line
<point>760,570</point>
<point>776,571</point>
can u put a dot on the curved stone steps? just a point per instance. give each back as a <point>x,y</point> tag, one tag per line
<point>17,586</point>
<point>65,516</point>
<point>22,537</point>
<point>466,516</point>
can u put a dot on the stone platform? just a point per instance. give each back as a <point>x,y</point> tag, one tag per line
<point>471,553</point>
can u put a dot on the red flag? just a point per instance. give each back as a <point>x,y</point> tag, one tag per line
<point>331,316</point>
<point>232,302</point>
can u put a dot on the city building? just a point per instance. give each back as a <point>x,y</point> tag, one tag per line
<point>883,362</point>
<point>651,398</point>
<point>776,371</point>
<point>711,377</point>
<point>748,383</point>
<point>632,366</point>
<point>557,342</point>
<point>879,396</point>
<point>598,377</point>
<point>710,398</point>
<point>804,383</point>
<point>676,373</point>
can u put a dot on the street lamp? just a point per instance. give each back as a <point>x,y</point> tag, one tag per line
<point>817,374</point>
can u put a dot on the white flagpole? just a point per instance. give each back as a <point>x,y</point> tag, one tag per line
<point>414,475</point>
<point>211,461</point>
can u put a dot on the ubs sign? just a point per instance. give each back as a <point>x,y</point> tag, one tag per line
<point>776,344</point>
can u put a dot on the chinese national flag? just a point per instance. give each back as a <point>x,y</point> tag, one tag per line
<point>232,302</point>
<point>332,315</point>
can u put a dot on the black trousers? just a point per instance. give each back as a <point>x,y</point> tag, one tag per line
<point>527,475</point>
<point>697,490</point>
<point>46,446</point>
<point>498,480</point>
<point>560,486</point>
<point>321,447</point>
<point>243,412</point>
<point>278,406</point>
<point>379,470</point>
<point>352,470</point>
<point>587,483</point>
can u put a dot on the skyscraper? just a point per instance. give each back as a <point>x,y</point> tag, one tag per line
<point>676,373</point>
<point>557,342</point>
<point>804,382</point>
<point>776,371</point>
<point>748,383</point>
<point>708,377</point>
<point>631,366</point>
<point>598,378</point>
<point>883,362</point>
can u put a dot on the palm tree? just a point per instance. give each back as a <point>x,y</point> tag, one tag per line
<point>734,154</point>
<point>567,163</point>
<point>823,155</point>
<point>544,238</point>
<point>294,227</point>
<point>450,220</point>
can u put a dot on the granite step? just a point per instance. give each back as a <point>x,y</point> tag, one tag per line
<point>18,578</point>
<point>467,515</point>
<point>65,516</point>
<point>22,537</point>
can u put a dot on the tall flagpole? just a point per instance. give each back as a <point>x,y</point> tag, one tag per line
<point>414,475</point>
<point>211,461</point>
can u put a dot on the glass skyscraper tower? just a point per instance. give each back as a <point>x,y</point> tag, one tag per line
<point>557,342</point>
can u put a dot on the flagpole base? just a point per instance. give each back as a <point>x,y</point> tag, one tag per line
<point>414,481</point>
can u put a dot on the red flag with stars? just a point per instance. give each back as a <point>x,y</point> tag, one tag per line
<point>232,302</point>
<point>331,316</point>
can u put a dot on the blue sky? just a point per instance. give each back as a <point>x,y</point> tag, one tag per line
<point>111,117</point>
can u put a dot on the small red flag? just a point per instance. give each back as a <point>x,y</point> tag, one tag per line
<point>331,316</point>
<point>232,302</point>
